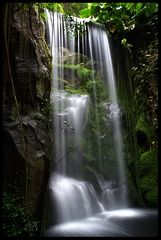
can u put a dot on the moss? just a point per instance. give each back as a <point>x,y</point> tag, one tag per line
<point>84,80</point>
<point>148,162</point>
<point>148,177</point>
<point>72,90</point>
<point>87,80</point>
<point>149,190</point>
<point>142,125</point>
<point>67,66</point>
<point>152,197</point>
<point>83,73</point>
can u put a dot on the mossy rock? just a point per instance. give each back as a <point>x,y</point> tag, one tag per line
<point>152,197</point>
<point>71,57</point>
<point>84,73</point>
<point>148,162</point>
<point>143,126</point>
<point>148,177</point>
<point>76,71</point>
<point>149,190</point>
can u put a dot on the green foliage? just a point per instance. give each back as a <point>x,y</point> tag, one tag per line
<point>91,85</point>
<point>142,125</point>
<point>152,196</point>
<point>94,87</point>
<point>73,8</point>
<point>68,9</point>
<point>72,90</point>
<point>126,44</point>
<point>68,66</point>
<point>148,177</point>
<point>63,7</point>
<point>17,221</point>
<point>85,13</point>
<point>83,73</point>
<point>148,162</point>
<point>149,189</point>
<point>50,6</point>
<point>144,74</point>
<point>43,16</point>
<point>119,16</point>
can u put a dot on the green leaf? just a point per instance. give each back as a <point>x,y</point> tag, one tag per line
<point>139,6</point>
<point>85,13</point>
<point>128,6</point>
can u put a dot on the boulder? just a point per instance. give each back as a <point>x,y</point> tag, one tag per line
<point>26,157</point>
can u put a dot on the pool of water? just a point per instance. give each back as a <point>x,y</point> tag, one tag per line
<point>128,222</point>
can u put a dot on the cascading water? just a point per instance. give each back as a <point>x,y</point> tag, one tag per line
<point>74,199</point>
<point>76,209</point>
<point>100,50</point>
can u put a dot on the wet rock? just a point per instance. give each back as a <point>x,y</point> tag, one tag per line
<point>31,159</point>
<point>29,62</point>
<point>71,57</point>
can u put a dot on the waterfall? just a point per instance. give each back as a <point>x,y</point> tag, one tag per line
<point>73,198</point>
<point>100,48</point>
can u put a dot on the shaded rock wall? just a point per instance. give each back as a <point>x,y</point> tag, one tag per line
<point>27,168</point>
<point>26,78</point>
<point>137,76</point>
<point>28,57</point>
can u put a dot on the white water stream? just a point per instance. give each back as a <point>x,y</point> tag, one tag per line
<point>74,201</point>
<point>71,119</point>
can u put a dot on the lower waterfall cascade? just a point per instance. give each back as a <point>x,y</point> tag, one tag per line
<point>77,207</point>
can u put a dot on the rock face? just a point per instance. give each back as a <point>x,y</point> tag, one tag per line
<point>26,162</point>
<point>29,60</point>
<point>145,106</point>
<point>26,78</point>
<point>139,71</point>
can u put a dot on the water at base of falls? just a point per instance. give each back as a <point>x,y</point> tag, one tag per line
<point>79,213</point>
<point>126,222</point>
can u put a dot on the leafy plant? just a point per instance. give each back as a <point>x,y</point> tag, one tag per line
<point>17,221</point>
<point>126,44</point>
<point>119,16</point>
<point>83,73</point>
<point>72,90</point>
<point>73,8</point>
<point>50,6</point>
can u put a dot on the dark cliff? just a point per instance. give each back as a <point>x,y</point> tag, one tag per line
<point>26,92</point>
